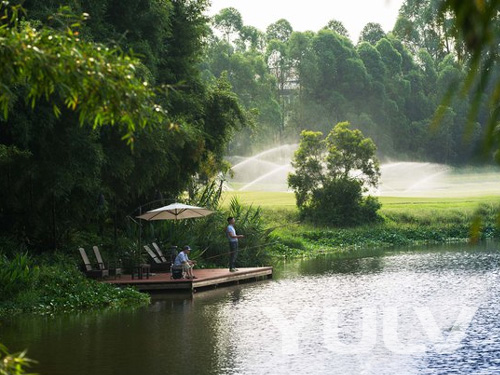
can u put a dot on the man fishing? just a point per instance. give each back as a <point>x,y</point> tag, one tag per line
<point>233,243</point>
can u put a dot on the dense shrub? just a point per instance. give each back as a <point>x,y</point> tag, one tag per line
<point>56,285</point>
<point>16,275</point>
<point>65,289</point>
<point>341,203</point>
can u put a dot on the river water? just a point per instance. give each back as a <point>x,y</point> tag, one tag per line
<point>416,311</point>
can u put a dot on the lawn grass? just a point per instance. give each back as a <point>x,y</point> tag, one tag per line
<point>284,200</point>
<point>261,198</point>
<point>406,221</point>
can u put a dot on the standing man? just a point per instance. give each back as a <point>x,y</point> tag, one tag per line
<point>233,243</point>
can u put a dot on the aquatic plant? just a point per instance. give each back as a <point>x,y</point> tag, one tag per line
<point>13,364</point>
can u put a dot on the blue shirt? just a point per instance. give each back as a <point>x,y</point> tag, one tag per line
<point>181,258</point>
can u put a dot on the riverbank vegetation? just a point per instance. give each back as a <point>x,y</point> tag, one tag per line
<point>406,221</point>
<point>52,283</point>
<point>104,117</point>
<point>55,285</point>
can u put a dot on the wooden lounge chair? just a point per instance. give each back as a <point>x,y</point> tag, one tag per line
<point>158,264</point>
<point>160,253</point>
<point>114,270</point>
<point>96,273</point>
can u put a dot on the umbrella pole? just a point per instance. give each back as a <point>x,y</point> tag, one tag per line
<point>140,230</point>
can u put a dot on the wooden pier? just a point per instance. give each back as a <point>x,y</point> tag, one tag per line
<point>205,278</point>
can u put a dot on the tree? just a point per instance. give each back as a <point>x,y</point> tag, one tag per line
<point>280,65</point>
<point>338,27</point>
<point>103,85</point>
<point>251,39</point>
<point>308,164</point>
<point>405,30</point>
<point>55,168</point>
<point>390,56</point>
<point>372,60</point>
<point>280,30</point>
<point>305,68</point>
<point>352,156</point>
<point>228,21</point>
<point>418,27</point>
<point>371,33</point>
<point>331,176</point>
<point>252,82</point>
<point>476,25</point>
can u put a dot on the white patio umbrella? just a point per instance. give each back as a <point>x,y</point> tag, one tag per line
<point>175,211</point>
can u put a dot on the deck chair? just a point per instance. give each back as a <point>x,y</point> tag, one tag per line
<point>160,253</point>
<point>113,270</point>
<point>158,265</point>
<point>96,273</point>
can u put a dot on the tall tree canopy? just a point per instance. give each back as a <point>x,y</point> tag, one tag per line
<point>228,21</point>
<point>388,84</point>
<point>102,84</point>
<point>53,167</point>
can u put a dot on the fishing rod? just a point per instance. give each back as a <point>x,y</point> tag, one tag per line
<point>243,249</point>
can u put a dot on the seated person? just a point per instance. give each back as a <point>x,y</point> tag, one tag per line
<point>182,259</point>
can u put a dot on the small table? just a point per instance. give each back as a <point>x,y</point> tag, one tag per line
<point>141,269</point>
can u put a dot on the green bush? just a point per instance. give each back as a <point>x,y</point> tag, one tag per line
<point>16,275</point>
<point>56,285</point>
<point>331,176</point>
<point>340,203</point>
<point>288,240</point>
<point>65,289</point>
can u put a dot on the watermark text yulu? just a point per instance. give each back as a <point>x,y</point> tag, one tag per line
<point>370,327</point>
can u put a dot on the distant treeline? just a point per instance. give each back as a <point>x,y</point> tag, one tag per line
<point>387,85</point>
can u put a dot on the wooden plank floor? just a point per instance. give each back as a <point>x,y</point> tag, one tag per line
<point>204,278</point>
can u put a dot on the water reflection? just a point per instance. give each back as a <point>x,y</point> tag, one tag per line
<point>432,311</point>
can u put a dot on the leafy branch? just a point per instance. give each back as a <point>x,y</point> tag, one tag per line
<point>100,83</point>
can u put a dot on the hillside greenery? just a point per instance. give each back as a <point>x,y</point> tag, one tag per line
<point>417,91</point>
<point>112,108</point>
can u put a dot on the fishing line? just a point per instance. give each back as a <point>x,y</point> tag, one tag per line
<point>243,249</point>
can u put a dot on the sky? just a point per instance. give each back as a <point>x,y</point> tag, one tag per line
<point>314,14</point>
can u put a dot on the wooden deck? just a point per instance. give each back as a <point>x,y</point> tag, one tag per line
<point>205,278</point>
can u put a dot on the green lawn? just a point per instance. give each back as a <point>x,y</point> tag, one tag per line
<point>261,198</point>
<point>406,221</point>
<point>282,200</point>
<point>399,203</point>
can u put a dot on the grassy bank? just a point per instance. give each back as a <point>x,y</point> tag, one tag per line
<point>406,221</point>
<point>54,286</point>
